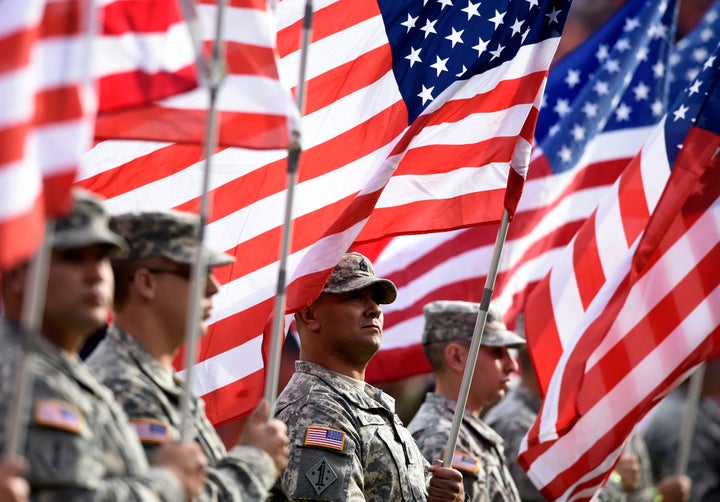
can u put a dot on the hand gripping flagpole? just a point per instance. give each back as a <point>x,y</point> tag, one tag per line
<point>476,340</point>
<point>273,367</point>
<point>214,70</point>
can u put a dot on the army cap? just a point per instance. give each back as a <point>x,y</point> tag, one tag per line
<point>354,272</point>
<point>455,320</point>
<point>167,234</point>
<point>86,224</point>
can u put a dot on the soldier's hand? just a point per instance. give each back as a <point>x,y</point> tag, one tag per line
<point>13,487</point>
<point>187,461</point>
<point>675,488</point>
<point>446,483</point>
<point>628,467</point>
<point>268,435</point>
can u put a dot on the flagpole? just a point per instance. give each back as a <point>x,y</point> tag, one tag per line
<point>688,426</point>
<point>30,320</point>
<point>273,368</point>
<point>215,74</point>
<point>476,340</point>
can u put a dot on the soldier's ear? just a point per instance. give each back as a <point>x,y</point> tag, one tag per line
<point>308,318</point>
<point>144,283</point>
<point>455,356</point>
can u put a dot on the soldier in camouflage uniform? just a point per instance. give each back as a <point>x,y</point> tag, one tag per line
<point>135,358</point>
<point>79,444</point>
<point>346,442</point>
<point>447,336</point>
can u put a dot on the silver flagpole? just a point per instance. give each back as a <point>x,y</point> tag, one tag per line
<point>476,340</point>
<point>31,321</point>
<point>215,74</point>
<point>694,393</point>
<point>273,368</point>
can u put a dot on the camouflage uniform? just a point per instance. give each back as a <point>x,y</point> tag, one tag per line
<point>663,442</point>
<point>346,442</point>
<point>150,395</point>
<point>511,418</point>
<point>79,444</point>
<point>479,452</point>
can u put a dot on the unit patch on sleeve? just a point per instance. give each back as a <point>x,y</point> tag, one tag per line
<point>151,431</point>
<point>325,437</point>
<point>58,415</point>
<point>321,475</point>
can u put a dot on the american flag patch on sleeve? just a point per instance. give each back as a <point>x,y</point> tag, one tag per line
<point>59,415</point>
<point>465,463</point>
<point>324,437</point>
<point>151,431</point>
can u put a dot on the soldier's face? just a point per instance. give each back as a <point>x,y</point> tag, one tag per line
<point>79,292</point>
<point>172,294</point>
<point>351,321</point>
<point>493,370</point>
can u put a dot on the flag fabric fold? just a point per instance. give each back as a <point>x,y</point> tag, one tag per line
<point>394,116</point>
<point>148,52</point>
<point>632,304</point>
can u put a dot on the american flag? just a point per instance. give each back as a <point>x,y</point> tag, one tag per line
<point>54,56</point>
<point>415,108</point>
<point>255,107</point>
<point>633,304</point>
<point>45,117</point>
<point>327,438</point>
<point>151,431</point>
<point>693,50</point>
<point>59,415</point>
<point>600,103</point>
<point>143,53</point>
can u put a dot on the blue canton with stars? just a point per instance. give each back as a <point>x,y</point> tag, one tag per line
<point>698,104</point>
<point>436,42</point>
<point>615,80</point>
<point>693,50</point>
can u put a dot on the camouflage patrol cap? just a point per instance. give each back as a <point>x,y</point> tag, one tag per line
<point>167,234</point>
<point>455,320</point>
<point>85,225</point>
<point>354,272</point>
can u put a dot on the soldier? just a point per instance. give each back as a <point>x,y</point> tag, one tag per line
<point>135,358</point>
<point>79,444</point>
<point>346,442</point>
<point>446,339</point>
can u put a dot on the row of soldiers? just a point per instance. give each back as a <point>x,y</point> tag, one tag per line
<point>109,428</point>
